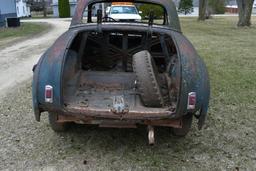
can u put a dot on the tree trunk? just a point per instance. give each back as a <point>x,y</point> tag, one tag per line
<point>202,9</point>
<point>44,8</point>
<point>245,12</point>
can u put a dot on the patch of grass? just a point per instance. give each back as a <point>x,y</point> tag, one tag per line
<point>26,29</point>
<point>229,53</point>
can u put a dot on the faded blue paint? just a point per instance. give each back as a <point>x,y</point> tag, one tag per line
<point>4,16</point>
<point>7,9</point>
<point>194,78</point>
<point>7,6</point>
<point>48,72</point>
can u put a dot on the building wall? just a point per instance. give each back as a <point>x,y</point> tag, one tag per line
<point>7,6</point>
<point>22,8</point>
<point>231,7</point>
<point>7,9</point>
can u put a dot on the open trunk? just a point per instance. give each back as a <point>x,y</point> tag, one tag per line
<point>100,77</point>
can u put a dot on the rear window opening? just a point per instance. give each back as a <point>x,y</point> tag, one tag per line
<point>113,51</point>
<point>125,12</point>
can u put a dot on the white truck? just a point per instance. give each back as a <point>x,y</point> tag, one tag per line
<point>123,11</point>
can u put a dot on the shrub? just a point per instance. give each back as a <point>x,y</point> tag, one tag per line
<point>64,8</point>
<point>186,6</point>
<point>156,9</point>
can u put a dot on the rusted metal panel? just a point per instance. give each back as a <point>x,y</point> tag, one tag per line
<point>81,119</point>
<point>194,78</point>
<point>49,70</point>
<point>135,114</point>
<point>119,123</point>
<point>174,123</point>
<point>101,80</point>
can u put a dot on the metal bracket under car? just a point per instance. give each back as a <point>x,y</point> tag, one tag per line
<point>119,105</point>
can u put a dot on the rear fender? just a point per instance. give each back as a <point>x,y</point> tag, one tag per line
<point>193,78</point>
<point>49,72</point>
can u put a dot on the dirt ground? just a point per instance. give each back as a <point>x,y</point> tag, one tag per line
<point>18,58</point>
<point>227,142</point>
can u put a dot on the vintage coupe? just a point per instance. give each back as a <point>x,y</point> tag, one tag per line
<point>122,73</point>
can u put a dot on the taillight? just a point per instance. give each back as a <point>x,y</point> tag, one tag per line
<point>48,94</point>
<point>192,100</point>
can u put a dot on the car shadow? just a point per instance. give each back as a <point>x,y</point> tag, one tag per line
<point>130,138</point>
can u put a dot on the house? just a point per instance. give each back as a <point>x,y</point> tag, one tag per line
<point>231,7</point>
<point>13,8</point>
<point>22,8</point>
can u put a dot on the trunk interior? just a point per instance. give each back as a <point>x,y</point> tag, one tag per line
<point>99,72</point>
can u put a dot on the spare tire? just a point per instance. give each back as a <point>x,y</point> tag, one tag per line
<point>148,81</point>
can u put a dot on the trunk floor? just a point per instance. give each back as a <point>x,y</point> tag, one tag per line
<point>97,90</point>
<point>102,99</point>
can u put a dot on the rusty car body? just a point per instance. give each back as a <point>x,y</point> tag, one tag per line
<point>122,74</point>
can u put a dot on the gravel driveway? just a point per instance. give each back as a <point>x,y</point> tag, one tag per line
<point>17,60</point>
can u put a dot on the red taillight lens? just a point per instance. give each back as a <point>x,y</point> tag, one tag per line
<point>48,94</point>
<point>192,100</point>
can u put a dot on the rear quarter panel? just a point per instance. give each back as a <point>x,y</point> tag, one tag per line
<point>48,72</point>
<point>194,78</point>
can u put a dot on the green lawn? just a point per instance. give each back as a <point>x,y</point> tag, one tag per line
<point>26,29</point>
<point>230,54</point>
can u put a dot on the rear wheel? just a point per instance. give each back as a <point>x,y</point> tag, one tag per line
<point>56,126</point>
<point>186,125</point>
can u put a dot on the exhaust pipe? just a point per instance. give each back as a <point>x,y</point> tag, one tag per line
<point>151,135</point>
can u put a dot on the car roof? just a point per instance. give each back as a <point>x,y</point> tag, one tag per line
<point>173,20</point>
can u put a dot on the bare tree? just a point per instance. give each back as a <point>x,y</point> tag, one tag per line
<point>204,12</point>
<point>245,12</point>
<point>44,8</point>
<point>39,5</point>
